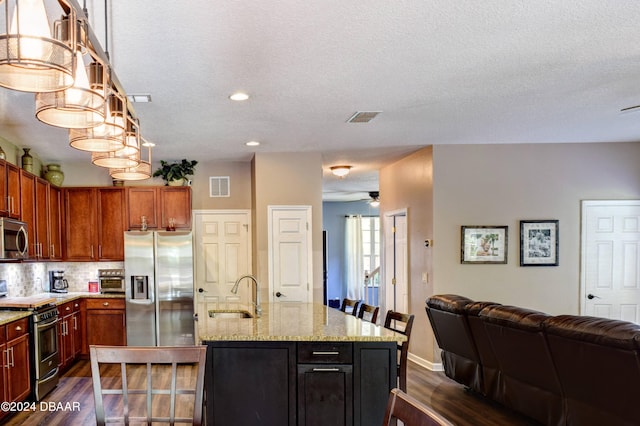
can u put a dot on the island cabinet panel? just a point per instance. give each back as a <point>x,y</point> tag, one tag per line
<point>299,383</point>
<point>251,383</point>
<point>375,374</point>
<point>325,394</point>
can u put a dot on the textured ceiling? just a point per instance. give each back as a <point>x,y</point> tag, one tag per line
<point>441,72</point>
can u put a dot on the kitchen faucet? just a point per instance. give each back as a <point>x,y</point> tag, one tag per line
<point>256,303</point>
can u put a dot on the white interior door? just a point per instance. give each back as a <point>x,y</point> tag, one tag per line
<point>610,271</point>
<point>222,254</point>
<point>290,261</point>
<point>395,254</point>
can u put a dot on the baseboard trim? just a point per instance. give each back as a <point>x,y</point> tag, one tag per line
<point>432,366</point>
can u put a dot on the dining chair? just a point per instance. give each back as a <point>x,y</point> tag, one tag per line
<point>401,323</point>
<point>368,312</point>
<point>133,384</point>
<point>410,411</point>
<point>350,303</point>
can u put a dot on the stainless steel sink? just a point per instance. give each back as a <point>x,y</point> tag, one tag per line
<point>226,313</point>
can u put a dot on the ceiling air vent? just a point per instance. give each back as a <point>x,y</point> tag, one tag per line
<point>219,186</point>
<point>363,116</point>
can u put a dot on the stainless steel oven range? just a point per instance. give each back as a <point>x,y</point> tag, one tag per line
<point>45,353</point>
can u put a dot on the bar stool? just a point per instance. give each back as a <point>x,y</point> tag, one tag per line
<point>401,323</point>
<point>371,310</point>
<point>349,303</point>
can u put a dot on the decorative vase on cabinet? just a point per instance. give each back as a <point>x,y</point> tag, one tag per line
<point>27,160</point>
<point>54,175</point>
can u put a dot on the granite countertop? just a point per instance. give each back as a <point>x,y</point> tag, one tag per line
<point>291,322</point>
<point>10,315</point>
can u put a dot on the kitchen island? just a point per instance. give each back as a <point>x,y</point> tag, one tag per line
<point>300,363</point>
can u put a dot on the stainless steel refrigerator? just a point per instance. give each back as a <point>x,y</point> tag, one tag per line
<point>159,288</point>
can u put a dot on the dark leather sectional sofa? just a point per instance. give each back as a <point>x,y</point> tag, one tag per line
<point>558,370</point>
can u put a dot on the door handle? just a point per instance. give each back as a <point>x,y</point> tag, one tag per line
<point>592,296</point>
<point>278,294</point>
<point>201,290</point>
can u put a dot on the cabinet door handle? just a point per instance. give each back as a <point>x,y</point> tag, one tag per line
<point>6,357</point>
<point>326,370</point>
<point>68,308</point>
<point>75,323</point>
<point>53,250</point>
<point>18,328</point>
<point>12,363</point>
<point>325,353</point>
<point>105,304</point>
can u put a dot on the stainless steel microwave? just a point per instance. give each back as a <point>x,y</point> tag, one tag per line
<point>13,239</point>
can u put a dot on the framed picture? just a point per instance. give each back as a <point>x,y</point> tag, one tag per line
<point>484,244</point>
<point>538,243</point>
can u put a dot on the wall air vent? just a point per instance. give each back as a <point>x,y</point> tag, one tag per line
<point>363,116</point>
<point>219,186</point>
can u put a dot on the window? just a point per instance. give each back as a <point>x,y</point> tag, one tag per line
<point>371,249</point>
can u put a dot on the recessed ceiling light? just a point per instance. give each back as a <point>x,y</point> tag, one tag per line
<point>140,98</point>
<point>239,96</point>
<point>252,143</point>
<point>340,171</point>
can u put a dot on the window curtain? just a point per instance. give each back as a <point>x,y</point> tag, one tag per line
<point>353,253</point>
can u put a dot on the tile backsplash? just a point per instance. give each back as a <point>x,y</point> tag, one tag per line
<point>26,279</point>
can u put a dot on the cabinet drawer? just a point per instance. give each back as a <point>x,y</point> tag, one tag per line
<point>17,328</point>
<point>105,303</point>
<point>66,308</point>
<point>325,353</point>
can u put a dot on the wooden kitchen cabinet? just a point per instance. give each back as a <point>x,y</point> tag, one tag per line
<point>69,333</point>
<point>94,223</point>
<point>106,323</point>
<point>15,358</point>
<point>158,204</point>
<point>175,202</point>
<point>34,207</point>
<point>142,201</point>
<point>15,379</point>
<point>9,190</point>
<point>55,222</point>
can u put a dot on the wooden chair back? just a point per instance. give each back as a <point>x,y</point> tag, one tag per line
<point>410,411</point>
<point>148,384</point>
<point>401,323</point>
<point>368,312</point>
<point>349,303</point>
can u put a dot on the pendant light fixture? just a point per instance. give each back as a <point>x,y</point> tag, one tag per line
<point>31,58</point>
<point>107,137</point>
<point>81,105</point>
<point>140,172</point>
<point>128,156</point>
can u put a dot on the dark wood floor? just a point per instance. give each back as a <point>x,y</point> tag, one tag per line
<point>432,388</point>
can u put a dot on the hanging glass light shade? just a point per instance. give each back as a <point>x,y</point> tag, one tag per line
<point>140,172</point>
<point>31,58</point>
<point>107,137</point>
<point>79,107</point>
